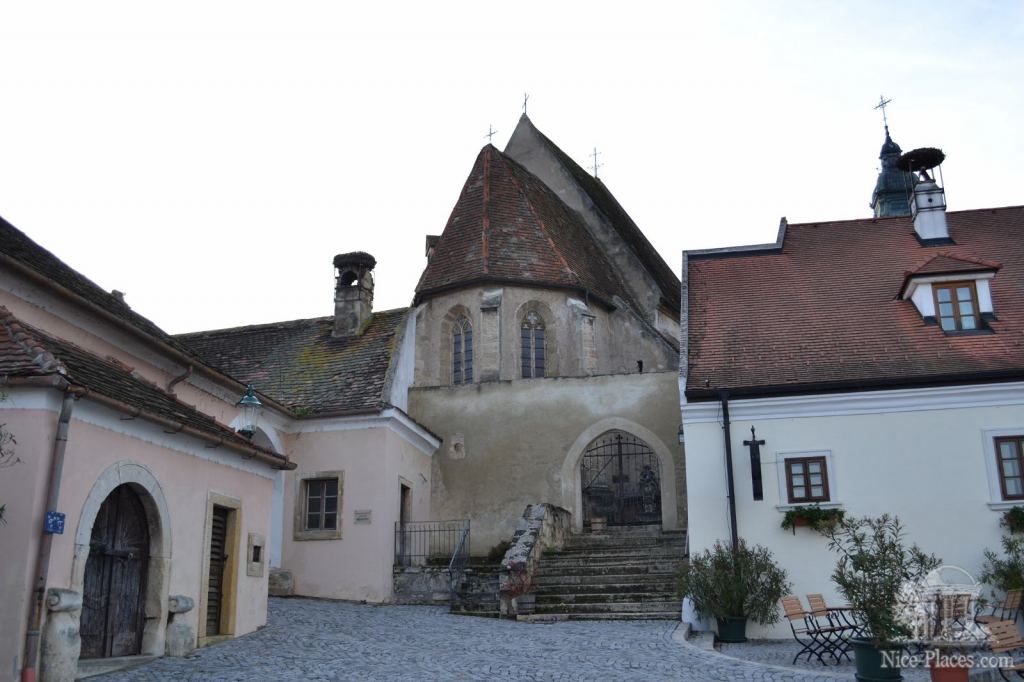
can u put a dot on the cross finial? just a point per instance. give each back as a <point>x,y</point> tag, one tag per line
<point>526,98</point>
<point>882,102</point>
<point>491,132</point>
<point>595,165</point>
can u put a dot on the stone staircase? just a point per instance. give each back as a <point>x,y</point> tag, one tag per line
<point>621,574</point>
<point>478,592</point>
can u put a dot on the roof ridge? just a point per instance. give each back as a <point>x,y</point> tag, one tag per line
<point>31,346</point>
<point>874,219</point>
<point>263,326</point>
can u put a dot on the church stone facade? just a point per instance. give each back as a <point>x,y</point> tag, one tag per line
<point>544,321</point>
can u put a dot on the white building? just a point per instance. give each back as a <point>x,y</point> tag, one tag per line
<point>881,361</point>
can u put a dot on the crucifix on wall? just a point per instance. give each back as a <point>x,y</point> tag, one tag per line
<point>755,463</point>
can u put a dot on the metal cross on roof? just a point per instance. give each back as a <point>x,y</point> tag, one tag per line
<point>596,165</point>
<point>491,132</point>
<point>526,98</point>
<point>882,101</point>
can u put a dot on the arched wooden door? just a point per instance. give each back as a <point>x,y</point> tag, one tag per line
<point>113,610</point>
<point>621,479</point>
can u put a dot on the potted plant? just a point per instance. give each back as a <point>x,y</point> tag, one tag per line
<point>733,585</point>
<point>813,517</point>
<point>1013,520</point>
<point>874,569</point>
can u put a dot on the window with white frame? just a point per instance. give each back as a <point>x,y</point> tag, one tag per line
<point>807,477</point>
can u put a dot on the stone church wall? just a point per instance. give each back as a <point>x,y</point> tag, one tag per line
<point>507,443</point>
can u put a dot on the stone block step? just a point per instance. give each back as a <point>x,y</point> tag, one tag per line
<point>614,607</point>
<point>478,614</point>
<point>606,588</point>
<point>604,598</point>
<point>613,569</point>
<point>596,559</point>
<point>609,578</point>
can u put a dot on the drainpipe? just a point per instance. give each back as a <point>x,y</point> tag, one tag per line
<point>60,443</point>
<point>178,379</point>
<point>723,395</point>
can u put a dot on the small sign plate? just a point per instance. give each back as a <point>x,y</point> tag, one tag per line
<point>364,515</point>
<point>54,523</point>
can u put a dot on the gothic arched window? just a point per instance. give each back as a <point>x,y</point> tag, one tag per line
<point>462,352</point>
<point>532,335</point>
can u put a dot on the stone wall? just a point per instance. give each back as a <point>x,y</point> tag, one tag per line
<point>421,585</point>
<point>507,444</point>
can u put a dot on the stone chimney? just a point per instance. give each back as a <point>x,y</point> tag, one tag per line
<point>928,206</point>
<point>353,292</point>
<point>431,244</point>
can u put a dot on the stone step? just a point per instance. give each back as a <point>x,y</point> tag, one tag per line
<point>559,617</point>
<point>602,578</point>
<point>604,598</point>
<point>479,614</point>
<point>634,607</point>
<point>609,570</point>
<point>610,558</point>
<point>607,587</point>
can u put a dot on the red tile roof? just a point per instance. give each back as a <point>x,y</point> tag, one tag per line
<point>508,227</point>
<point>29,352</point>
<point>606,203</point>
<point>946,263</point>
<point>822,312</point>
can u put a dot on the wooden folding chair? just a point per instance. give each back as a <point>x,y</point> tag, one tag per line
<point>1003,638</point>
<point>1007,609</point>
<point>815,639</point>
<point>839,618</point>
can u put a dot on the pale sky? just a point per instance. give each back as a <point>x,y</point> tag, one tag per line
<point>210,158</point>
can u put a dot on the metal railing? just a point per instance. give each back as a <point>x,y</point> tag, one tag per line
<point>431,543</point>
<point>457,565</point>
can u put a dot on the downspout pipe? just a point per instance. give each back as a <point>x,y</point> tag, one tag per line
<point>60,444</point>
<point>723,395</point>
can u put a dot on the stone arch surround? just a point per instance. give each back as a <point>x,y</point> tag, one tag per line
<point>142,480</point>
<point>572,487</point>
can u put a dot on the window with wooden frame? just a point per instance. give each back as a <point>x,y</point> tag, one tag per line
<point>320,509</point>
<point>956,306</point>
<point>532,338</point>
<point>807,480</point>
<point>462,352</point>
<point>1010,463</point>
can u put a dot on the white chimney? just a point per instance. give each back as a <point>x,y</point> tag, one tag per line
<point>928,206</point>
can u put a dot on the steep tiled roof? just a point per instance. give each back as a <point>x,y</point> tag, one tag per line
<point>606,203</point>
<point>507,226</point>
<point>28,352</point>
<point>823,311</point>
<point>302,366</point>
<point>16,244</point>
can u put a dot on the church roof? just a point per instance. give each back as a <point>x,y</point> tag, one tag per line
<point>821,313</point>
<point>606,203</point>
<point>301,365</point>
<point>508,227</point>
<point>27,352</point>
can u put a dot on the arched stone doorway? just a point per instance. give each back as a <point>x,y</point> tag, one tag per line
<point>620,478</point>
<point>572,479</point>
<point>114,590</point>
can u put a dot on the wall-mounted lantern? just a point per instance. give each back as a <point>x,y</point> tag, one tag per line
<point>251,409</point>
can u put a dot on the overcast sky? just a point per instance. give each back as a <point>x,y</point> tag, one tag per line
<point>210,158</point>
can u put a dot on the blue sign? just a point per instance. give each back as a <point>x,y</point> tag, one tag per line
<point>54,523</point>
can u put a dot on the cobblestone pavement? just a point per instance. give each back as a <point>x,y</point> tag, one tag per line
<point>782,653</point>
<point>309,639</point>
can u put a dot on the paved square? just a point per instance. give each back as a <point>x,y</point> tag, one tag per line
<point>309,639</point>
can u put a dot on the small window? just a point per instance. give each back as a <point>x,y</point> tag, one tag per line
<point>1010,462</point>
<point>462,352</point>
<point>807,480</point>
<point>532,337</point>
<point>321,510</point>
<point>956,306</point>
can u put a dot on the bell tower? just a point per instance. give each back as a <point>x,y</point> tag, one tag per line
<point>894,187</point>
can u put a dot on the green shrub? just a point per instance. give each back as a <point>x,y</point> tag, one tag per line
<point>745,583</point>
<point>1005,574</point>
<point>497,553</point>
<point>1013,519</point>
<point>819,519</point>
<point>874,566</point>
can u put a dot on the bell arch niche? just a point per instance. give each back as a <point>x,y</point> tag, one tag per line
<point>124,528</point>
<point>640,447</point>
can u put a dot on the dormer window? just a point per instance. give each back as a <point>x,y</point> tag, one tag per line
<point>952,291</point>
<point>956,306</point>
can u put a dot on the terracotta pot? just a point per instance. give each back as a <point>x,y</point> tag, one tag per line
<point>801,521</point>
<point>952,674</point>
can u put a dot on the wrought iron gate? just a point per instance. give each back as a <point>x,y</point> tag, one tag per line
<point>621,481</point>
